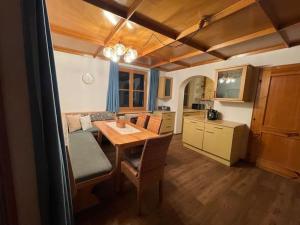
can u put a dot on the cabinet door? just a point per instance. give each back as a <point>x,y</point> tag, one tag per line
<point>230,84</point>
<point>193,134</point>
<point>168,87</point>
<point>218,140</point>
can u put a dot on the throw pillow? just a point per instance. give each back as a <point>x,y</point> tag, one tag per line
<point>86,122</point>
<point>74,122</point>
<point>102,116</point>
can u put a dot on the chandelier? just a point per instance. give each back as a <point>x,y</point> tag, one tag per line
<point>115,52</point>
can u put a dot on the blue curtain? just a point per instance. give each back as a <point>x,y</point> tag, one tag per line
<point>112,101</point>
<point>154,80</point>
<point>51,161</point>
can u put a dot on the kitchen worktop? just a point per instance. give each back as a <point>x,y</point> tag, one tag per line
<point>224,123</point>
<point>193,110</point>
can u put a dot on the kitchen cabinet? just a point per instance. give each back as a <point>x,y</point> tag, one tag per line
<point>193,133</point>
<point>221,140</point>
<point>165,87</point>
<point>236,84</point>
<point>168,120</point>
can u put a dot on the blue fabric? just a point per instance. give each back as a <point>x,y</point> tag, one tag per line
<point>51,162</point>
<point>154,80</point>
<point>112,102</point>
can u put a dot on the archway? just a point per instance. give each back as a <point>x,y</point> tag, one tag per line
<point>180,103</point>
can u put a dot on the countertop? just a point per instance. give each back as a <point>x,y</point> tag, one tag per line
<point>224,123</point>
<point>193,110</point>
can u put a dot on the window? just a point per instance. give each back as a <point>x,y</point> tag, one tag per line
<point>132,89</point>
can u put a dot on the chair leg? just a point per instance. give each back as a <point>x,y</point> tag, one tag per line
<point>160,186</point>
<point>139,198</point>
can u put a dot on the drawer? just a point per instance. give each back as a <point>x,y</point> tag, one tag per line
<point>194,123</point>
<point>168,115</point>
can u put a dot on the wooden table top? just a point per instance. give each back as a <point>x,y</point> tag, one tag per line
<point>118,139</point>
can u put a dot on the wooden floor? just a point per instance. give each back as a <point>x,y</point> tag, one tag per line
<point>201,191</point>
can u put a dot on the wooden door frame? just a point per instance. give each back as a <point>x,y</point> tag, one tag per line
<point>8,210</point>
<point>260,103</point>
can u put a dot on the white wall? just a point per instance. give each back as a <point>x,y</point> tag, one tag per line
<point>75,95</point>
<point>238,112</point>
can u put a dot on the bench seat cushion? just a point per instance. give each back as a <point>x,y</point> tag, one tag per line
<point>87,158</point>
<point>92,130</point>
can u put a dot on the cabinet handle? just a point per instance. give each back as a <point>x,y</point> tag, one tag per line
<point>199,129</point>
<point>220,128</point>
<point>192,122</point>
<point>209,132</point>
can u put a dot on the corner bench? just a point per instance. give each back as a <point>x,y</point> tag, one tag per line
<point>89,166</point>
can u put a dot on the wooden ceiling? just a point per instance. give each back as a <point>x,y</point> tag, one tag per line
<point>175,34</point>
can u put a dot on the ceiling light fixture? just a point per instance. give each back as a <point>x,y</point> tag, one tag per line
<point>115,52</point>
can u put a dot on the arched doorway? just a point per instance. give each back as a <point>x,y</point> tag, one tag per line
<point>200,91</point>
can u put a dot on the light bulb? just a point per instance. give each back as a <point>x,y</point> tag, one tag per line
<point>232,80</point>
<point>119,49</point>
<point>132,53</point>
<point>115,58</point>
<point>108,52</point>
<point>128,58</point>
<point>228,80</point>
<point>221,81</point>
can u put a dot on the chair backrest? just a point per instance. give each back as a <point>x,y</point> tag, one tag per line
<point>154,124</point>
<point>154,154</point>
<point>142,120</point>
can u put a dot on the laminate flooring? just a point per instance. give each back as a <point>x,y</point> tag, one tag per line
<point>200,191</point>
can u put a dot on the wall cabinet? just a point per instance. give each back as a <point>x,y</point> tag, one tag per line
<point>165,87</point>
<point>168,120</point>
<point>236,84</point>
<point>223,141</point>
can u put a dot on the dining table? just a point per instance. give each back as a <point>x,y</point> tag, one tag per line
<point>122,138</point>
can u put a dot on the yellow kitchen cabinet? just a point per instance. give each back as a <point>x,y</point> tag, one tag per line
<point>168,120</point>
<point>221,140</point>
<point>193,133</point>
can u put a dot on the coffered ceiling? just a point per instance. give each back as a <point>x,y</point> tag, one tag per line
<point>175,34</point>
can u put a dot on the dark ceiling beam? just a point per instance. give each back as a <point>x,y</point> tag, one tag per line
<point>137,18</point>
<point>122,21</point>
<point>274,21</point>
<point>230,10</point>
<point>148,23</point>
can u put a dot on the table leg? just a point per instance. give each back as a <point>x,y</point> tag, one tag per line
<point>119,156</point>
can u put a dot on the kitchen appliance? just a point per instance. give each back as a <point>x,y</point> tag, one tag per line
<point>198,106</point>
<point>212,114</point>
<point>163,108</point>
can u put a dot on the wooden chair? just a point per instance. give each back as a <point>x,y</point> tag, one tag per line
<point>142,120</point>
<point>154,124</point>
<point>148,168</point>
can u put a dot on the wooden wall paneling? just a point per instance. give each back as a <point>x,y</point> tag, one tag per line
<point>251,45</point>
<point>133,7</point>
<point>292,34</point>
<point>79,17</point>
<point>76,44</point>
<point>75,34</point>
<point>218,16</point>
<point>231,27</point>
<point>268,12</point>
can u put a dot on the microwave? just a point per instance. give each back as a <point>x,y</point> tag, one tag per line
<point>198,106</point>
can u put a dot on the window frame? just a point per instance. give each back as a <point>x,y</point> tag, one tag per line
<point>131,73</point>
